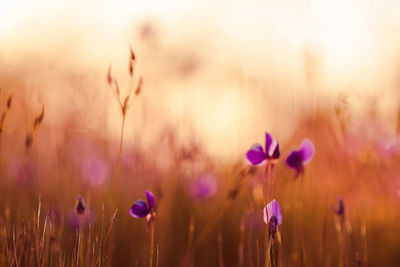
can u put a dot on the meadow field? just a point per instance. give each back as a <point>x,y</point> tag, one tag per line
<point>186,135</point>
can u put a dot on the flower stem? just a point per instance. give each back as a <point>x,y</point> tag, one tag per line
<point>152,244</point>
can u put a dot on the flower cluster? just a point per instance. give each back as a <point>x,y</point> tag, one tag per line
<point>297,159</point>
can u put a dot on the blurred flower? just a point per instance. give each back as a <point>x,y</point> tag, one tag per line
<point>75,220</point>
<point>298,158</point>
<point>340,207</point>
<point>387,146</point>
<point>254,220</point>
<point>205,187</point>
<point>95,169</point>
<point>23,170</point>
<point>256,155</point>
<point>80,214</point>
<point>142,209</point>
<point>273,216</point>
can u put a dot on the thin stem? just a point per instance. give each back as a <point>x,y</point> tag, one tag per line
<point>118,163</point>
<point>299,222</point>
<point>100,258</point>
<point>157,255</point>
<point>268,258</point>
<point>220,252</point>
<point>152,244</point>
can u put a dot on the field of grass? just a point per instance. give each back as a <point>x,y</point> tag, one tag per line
<point>150,160</point>
<point>208,212</point>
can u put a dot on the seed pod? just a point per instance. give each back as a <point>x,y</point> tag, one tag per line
<point>109,77</point>
<point>28,140</point>
<point>39,118</point>
<point>9,101</point>
<point>132,54</point>
<point>139,87</point>
<point>131,68</point>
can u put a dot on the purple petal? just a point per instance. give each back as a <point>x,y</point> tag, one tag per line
<point>277,152</point>
<point>139,209</point>
<point>150,199</point>
<point>271,146</point>
<point>256,154</point>
<point>307,150</point>
<point>269,139</point>
<point>295,160</point>
<point>272,209</point>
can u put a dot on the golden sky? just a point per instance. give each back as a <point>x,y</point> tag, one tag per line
<point>220,69</point>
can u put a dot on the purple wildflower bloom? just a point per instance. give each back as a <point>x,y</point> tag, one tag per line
<point>75,220</point>
<point>95,169</point>
<point>256,155</point>
<point>141,209</point>
<point>273,216</point>
<point>298,158</point>
<point>205,187</point>
<point>272,210</point>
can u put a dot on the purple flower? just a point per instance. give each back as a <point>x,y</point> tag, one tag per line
<point>256,155</point>
<point>75,220</point>
<point>95,169</point>
<point>80,215</point>
<point>142,209</point>
<point>80,206</point>
<point>273,216</point>
<point>205,187</point>
<point>298,158</point>
<point>340,207</point>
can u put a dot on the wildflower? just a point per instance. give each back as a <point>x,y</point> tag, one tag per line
<point>257,155</point>
<point>273,217</point>
<point>94,169</point>
<point>142,209</point>
<point>339,210</point>
<point>80,206</point>
<point>80,215</point>
<point>298,158</point>
<point>205,187</point>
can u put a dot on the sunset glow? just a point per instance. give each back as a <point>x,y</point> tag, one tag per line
<point>245,133</point>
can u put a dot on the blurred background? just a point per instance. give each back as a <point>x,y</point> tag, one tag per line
<point>220,71</point>
<point>216,76</point>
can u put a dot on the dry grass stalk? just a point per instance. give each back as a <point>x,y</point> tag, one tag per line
<point>31,133</point>
<point>124,103</point>
<point>5,112</point>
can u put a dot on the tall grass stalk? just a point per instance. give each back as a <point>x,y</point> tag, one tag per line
<point>124,104</point>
